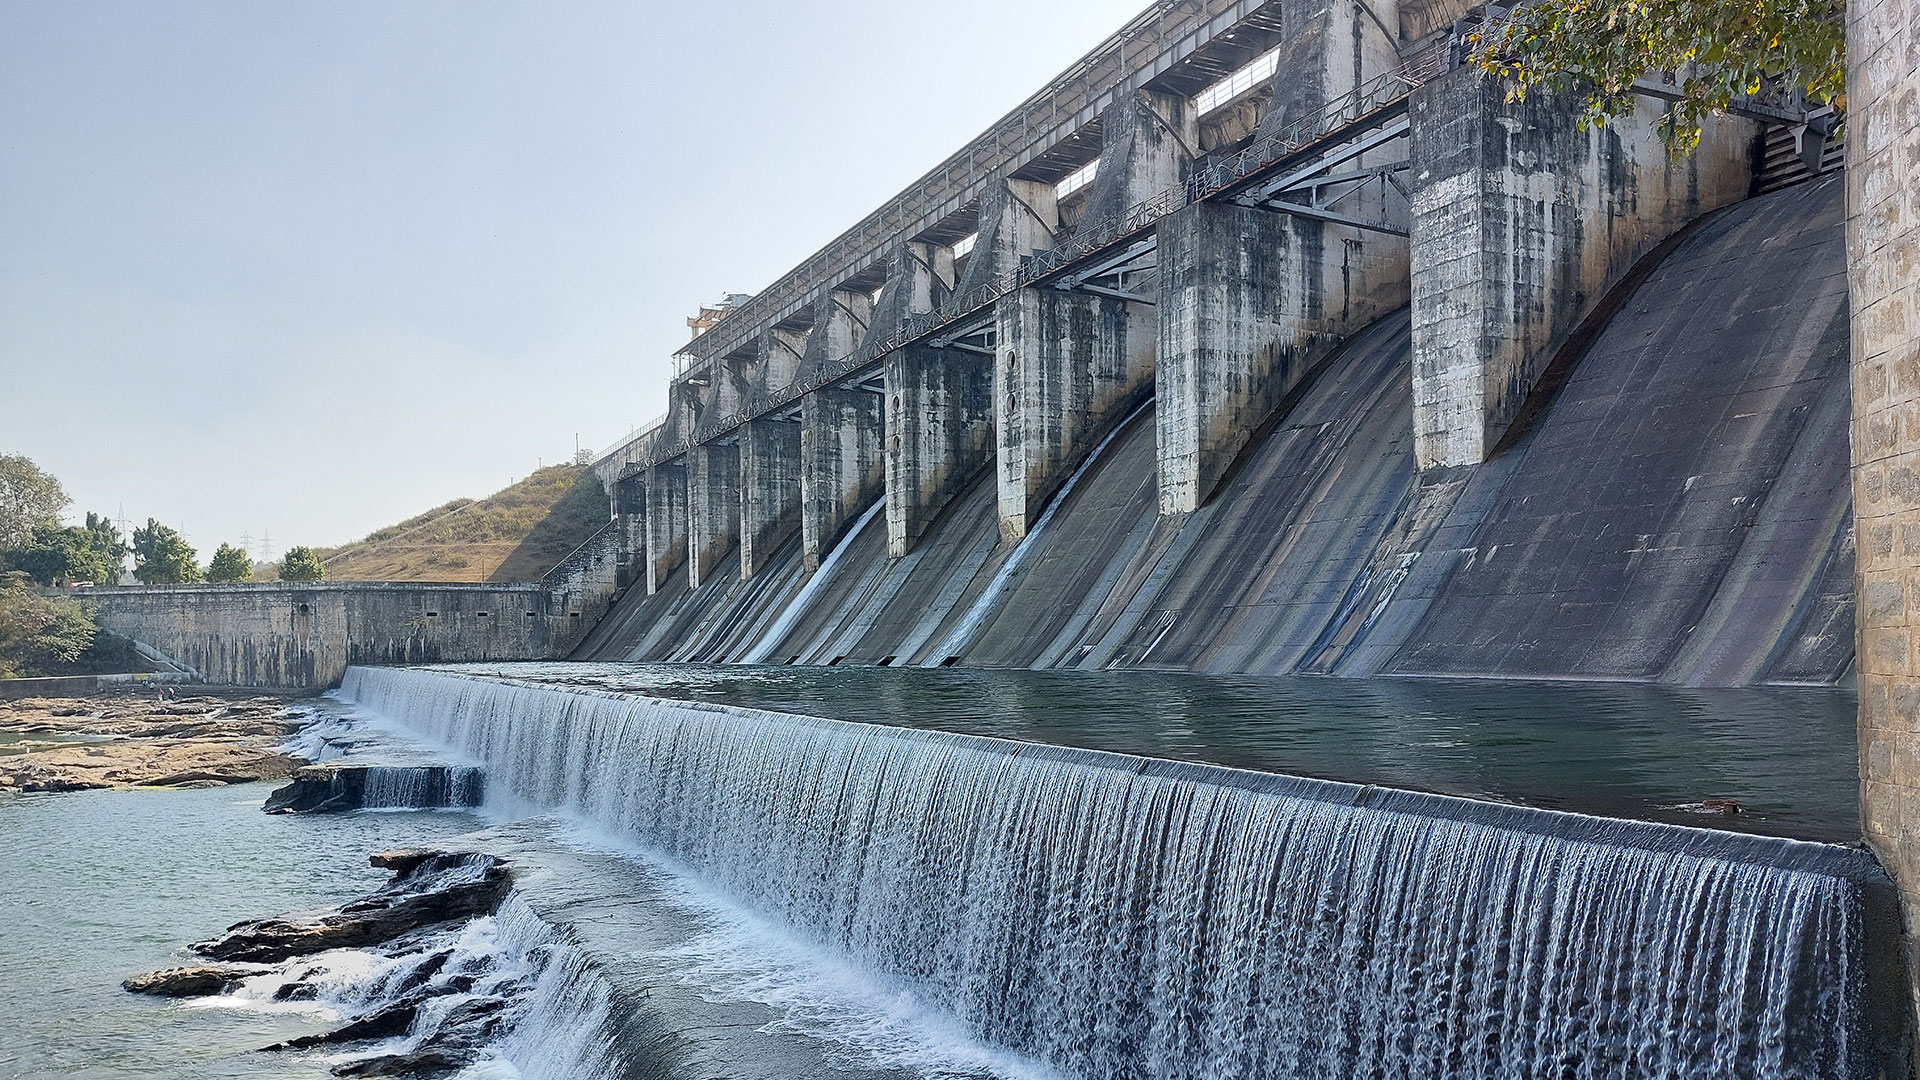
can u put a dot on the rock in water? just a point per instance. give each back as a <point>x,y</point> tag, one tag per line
<point>196,981</point>
<point>436,889</point>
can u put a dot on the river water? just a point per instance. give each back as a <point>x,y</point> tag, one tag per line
<point>100,885</point>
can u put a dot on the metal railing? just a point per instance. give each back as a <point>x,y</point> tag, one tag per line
<point>1355,110</point>
<point>1171,29</point>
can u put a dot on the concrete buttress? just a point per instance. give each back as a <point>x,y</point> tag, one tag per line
<point>1521,223</point>
<point>1250,299</point>
<point>713,507</point>
<point>842,465</point>
<point>1071,364</point>
<point>666,524</point>
<point>769,489</point>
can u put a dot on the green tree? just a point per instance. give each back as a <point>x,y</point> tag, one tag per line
<point>40,633</point>
<point>301,564</point>
<point>29,496</point>
<point>1715,50</point>
<point>110,546</point>
<point>229,564</point>
<point>60,555</point>
<point>162,556</point>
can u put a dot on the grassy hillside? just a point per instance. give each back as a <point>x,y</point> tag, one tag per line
<point>515,534</point>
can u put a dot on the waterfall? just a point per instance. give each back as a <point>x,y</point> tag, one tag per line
<point>1117,916</point>
<point>417,787</point>
<point>802,601</point>
<point>989,599</point>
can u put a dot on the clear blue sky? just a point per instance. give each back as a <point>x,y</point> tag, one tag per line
<point>315,267</point>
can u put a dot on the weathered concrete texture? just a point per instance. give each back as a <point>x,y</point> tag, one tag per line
<point>713,506</point>
<point>769,490</point>
<point>939,424</point>
<point>920,276</point>
<point>1147,139</point>
<point>1017,218</point>
<point>666,521</point>
<point>843,468</point>
<point>305,635</point>
<point>1328,551</point>
<point>1883,248</point>
<point>1070,367</point>
<point>1249,299</point>
<point>629,499</point>
<point>840,323</point>
<point>1521,222</point>
<point>1330,47</point>
<point>1679,513</point>
<point>782,352</point>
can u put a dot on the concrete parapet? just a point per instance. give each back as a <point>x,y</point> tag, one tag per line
<point>666,521</point>
<point>1521,223</point>
<point>304,635</point>
<point>713,507</point>
<point>842,465</point>
<point>939,425</point>
<point>769,489</point>
<point>1883,258</point>
<point>1070,366</point>
<point>1249,300</point>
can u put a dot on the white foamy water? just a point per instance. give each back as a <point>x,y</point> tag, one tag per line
<point>1118,917</point>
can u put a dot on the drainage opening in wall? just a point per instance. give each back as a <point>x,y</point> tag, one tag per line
<point>479,614</point>
<point>573,614</point>
<point>433,614</point>
<point>305,610</point>
<point>533,614</point>
<point>950,661</point>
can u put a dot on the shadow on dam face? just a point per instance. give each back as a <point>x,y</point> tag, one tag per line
<point>1116,916</point>
<point>1678,512</point>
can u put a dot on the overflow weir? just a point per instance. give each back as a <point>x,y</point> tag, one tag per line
<point>1115,916</point>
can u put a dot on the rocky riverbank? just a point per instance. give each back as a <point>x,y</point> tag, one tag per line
<point>128,739</point>
<point>445,1003</point>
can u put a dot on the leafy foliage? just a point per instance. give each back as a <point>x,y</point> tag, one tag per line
<point>162,556</point>
<point>1716,50</point>
<point>29,496</point>
<point>109,546</point>
<point>301,564</point>
<point>61,555</point>
<point>38,633</point>
<point>229,565</point>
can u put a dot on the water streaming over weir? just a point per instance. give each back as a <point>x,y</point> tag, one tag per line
<point>1117,916</point>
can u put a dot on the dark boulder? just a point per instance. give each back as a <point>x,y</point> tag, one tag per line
<point>197,981</point>
<point>437,889</point>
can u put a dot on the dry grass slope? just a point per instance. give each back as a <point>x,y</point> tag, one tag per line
<point>515,534</point>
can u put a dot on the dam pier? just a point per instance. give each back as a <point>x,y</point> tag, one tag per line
<point>1270,340</point>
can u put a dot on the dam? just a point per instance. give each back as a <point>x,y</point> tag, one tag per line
<point>1270,343</point>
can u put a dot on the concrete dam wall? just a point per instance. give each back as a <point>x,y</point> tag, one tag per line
<point>1284,344</point>
<point>1673,507</point>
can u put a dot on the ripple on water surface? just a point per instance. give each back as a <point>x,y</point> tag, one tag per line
<point>99,885</point>
<point>1785,755</point>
